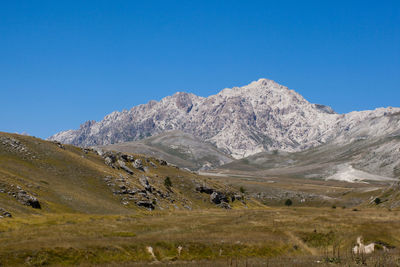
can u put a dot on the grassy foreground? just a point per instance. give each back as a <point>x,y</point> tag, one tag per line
<point>287,236</point>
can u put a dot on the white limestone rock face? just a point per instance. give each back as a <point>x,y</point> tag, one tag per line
<point>241,121</point>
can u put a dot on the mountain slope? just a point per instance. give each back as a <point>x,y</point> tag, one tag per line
<point>362,159</point>
<point>39,176</point>
<point>241,121</point>
<point>176,147</point>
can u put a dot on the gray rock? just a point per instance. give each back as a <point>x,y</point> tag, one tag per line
<point>205,189</point>
<point>152,164</point>
<point>4,213</point>
<point>146,204</point>
<point>124,167</point>
<point>59,144</point>
<point>108,161</point>
<point>28,200</point>
<point>138,164</point>
<point>145,183</point>
<point>218,198</point>
<point>224,205</point>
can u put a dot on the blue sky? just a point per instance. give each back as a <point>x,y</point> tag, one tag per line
<point>65,62</point>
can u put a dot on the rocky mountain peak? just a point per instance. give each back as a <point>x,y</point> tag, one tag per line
<point>240,121</point>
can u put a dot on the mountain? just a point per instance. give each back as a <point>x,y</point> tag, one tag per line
<point>242,121</point>
<point>176,147</point>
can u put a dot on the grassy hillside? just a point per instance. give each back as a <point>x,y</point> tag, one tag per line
<point>65,178</point>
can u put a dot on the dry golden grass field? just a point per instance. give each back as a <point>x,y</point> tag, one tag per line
<point>287,236</point>
<point>85,220</point>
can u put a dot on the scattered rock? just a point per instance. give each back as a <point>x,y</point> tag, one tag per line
<point>28,200</point>
<point>15,146</point>
<point>162,162</point>
<point>146,204</point>
<point>138,164</point>
<point>58,144</point>
<point>127,158</point>
<point>145,183</point>
<point>86,150</point>
<point>236,197</point>
<point>4,213</point>
<point>152,164</point>
<point>124,167</point>
<point>110,159</point>
<point>218,198</point>
<point>205,189</point>
<point>224,205</point>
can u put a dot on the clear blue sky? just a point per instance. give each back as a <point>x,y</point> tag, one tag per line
<point>65,62</point>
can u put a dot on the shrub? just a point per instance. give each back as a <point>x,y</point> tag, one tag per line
<point>377,201</point>
<point>167,182</point>
<point>242,190</point>
<point>288,202</point>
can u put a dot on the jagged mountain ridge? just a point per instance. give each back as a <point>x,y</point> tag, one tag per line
<point>241,121</point>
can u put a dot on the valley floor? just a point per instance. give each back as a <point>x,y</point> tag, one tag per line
<point>278,236</point>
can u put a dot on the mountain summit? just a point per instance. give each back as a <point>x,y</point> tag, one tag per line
<point>240,121</point>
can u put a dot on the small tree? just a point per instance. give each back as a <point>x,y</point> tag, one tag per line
<point>167,182</point>
<point>377,201</point>
<point>288,202</point>
<point>242,190</point>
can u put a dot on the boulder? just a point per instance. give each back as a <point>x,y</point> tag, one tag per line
<point>127,158</point>
<point>205,189</point>
<point>124,167</point>
<point>152,164</point>
<point>145,183</point>
<point>28,200</point>
<point>218,197</point>
<point>59,144</point>
<point>146,204</point>
<point>108,161</point>
<point>138,164</point>
<point>224,205</point>
<point>4,213</point>
<point>162,162</point>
